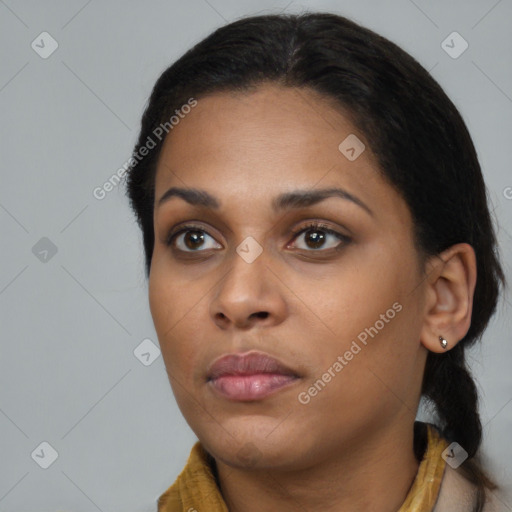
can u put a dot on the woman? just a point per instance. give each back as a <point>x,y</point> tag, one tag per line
<point>320,253</point>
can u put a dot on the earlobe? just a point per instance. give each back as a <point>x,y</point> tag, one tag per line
<point>450,290</point>
<point>439,344</point>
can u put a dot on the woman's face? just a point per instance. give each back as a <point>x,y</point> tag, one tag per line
<point>342,311</point>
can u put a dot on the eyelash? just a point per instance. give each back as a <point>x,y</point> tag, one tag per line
<point>312,225</point>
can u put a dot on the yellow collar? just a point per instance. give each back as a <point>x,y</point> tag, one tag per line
<point>195,489</point>
<point>424,491</point>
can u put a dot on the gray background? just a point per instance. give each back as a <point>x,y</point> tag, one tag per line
<point>70,321</point>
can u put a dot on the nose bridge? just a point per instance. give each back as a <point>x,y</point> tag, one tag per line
<point>248,288</point>
<point>248,270</point>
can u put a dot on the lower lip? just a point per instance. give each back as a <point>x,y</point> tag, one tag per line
<point>251,387</point>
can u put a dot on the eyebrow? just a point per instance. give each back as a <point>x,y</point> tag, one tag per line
<point>285,201</point>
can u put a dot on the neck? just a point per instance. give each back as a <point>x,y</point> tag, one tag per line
<point>376,474</point>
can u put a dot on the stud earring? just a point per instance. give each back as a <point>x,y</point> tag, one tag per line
<point>444,343</point>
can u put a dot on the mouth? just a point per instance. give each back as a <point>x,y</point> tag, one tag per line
<point>249,377</point>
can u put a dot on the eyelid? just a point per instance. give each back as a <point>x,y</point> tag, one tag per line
<point>317,224</point>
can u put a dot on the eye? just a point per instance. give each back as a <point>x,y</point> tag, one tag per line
<point>316,234</point>
<point>190,238</point>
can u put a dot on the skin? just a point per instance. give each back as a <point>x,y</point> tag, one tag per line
<point>351,447</point>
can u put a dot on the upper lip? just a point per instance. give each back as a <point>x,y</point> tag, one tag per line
<point>251,363</point>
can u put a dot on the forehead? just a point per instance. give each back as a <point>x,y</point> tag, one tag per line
<point>269,140</point>
<point>269,114</point>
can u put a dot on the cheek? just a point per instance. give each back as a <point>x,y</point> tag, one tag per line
<point>160,299</point>
<point>353,295</point>
<point>170,295</point>
<point>367,312</point>
<point>170,317</point>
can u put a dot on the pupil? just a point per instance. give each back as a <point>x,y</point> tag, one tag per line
<point>194,238</point>
<point>316,238</point>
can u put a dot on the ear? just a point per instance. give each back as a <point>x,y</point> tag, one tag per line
<point>451,281</point>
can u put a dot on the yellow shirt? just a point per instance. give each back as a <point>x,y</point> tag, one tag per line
<point>195,489</point>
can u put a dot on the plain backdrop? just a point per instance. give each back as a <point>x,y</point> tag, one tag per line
<point>74,79</point>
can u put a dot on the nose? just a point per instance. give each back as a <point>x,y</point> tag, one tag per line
<point>248,295</point>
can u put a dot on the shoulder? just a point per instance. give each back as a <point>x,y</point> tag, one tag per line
<point>457,494</point>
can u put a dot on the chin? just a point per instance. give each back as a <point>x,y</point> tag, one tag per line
<point>259,445</point>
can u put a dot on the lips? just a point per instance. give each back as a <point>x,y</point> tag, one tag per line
<point>249,377</point>
<point>248,364</point>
